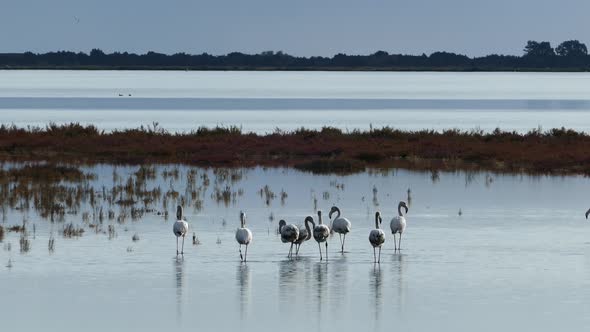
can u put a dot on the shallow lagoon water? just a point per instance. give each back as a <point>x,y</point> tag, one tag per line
<point>517,258</point>
<point>263,101</point>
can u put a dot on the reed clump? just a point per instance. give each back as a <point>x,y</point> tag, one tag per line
<point>17,228</point>
<point>70,230</point>
<point>25,244</point>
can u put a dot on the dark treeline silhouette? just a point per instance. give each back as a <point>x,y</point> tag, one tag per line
<point>569,55</point>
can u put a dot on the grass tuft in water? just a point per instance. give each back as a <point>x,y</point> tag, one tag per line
<point>72,231</point>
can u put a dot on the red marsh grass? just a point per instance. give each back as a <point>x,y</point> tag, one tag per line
<point>328,150</point>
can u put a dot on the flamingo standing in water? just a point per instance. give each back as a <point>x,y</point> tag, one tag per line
<point>398,224</point>
<point>321,232</point>
<point>289,234</point>
<point>587,213</point>
<point>340,225</point>
<point>243,236</point>
<point>377,237</point>
<point>180,228</point>
<point>304,235</point>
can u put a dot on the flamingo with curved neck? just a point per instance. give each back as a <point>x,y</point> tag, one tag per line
<point>289,234</point>
<point>340,225</point>
<point>398,224</point>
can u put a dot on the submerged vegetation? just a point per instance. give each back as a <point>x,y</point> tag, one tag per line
<point>329,150</point>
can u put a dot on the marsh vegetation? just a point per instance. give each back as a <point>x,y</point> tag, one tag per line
<point>325,151</point>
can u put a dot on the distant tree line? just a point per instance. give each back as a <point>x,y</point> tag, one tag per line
<point>569,55</point>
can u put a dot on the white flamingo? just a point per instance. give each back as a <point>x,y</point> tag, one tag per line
<point>321,232</point>
<point>377,237</point>
<point>180,228</point>
<point>339,225</point>
<point>243,236</point>
<point>398,224</point>
<point>289,234</point>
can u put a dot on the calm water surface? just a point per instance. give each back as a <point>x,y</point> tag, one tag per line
<point>263,101</point>
<point>518,258</point>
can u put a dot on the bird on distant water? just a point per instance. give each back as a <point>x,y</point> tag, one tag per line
<point>289,234</point>
<point>340,225</point>
<point>398,224</point>
<point>377,237</point>
<point>180,228</point>
<point>587,213</point>
<point>243,236</point>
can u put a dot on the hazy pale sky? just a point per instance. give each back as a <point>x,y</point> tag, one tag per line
<point>299,27</point>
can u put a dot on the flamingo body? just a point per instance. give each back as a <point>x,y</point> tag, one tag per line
<point>243,236</point>
<point>398,224</point>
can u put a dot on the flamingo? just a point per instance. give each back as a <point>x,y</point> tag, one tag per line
<point>339,225</point>
<point>321,232</point>
<point>180,228</point>
<point>377,236</point>
<point>289,233</point>
<point>243,236</point>
<point>398,224</point>
<point>587,213</point>
<point>304,235</point>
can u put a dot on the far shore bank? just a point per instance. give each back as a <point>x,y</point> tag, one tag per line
<point>329,150</point>
<point>304,69</point>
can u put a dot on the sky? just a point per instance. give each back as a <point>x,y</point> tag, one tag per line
<point>298,27</point>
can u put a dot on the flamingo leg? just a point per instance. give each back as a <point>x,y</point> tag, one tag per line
<point>297,249</point>
<point>182,252</point>
<point>246,255</point>
<point>241,258</point>
<point>374,257</point>
<point>400,242</point>
<point>291,250</point>
<point>326,250</point>
<point>177,246</point>
<point>320,247</point>
<point>394,243</point>
<point>379,261</point>
<point>341,244</point>
<point>343,240</point>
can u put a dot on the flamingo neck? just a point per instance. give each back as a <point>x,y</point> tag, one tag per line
<point>307,221</point>
<point>377,222</point>
<point>399,210</point>
<point>337,213</point>
<point>179,213</point>
<point>281,225</point>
